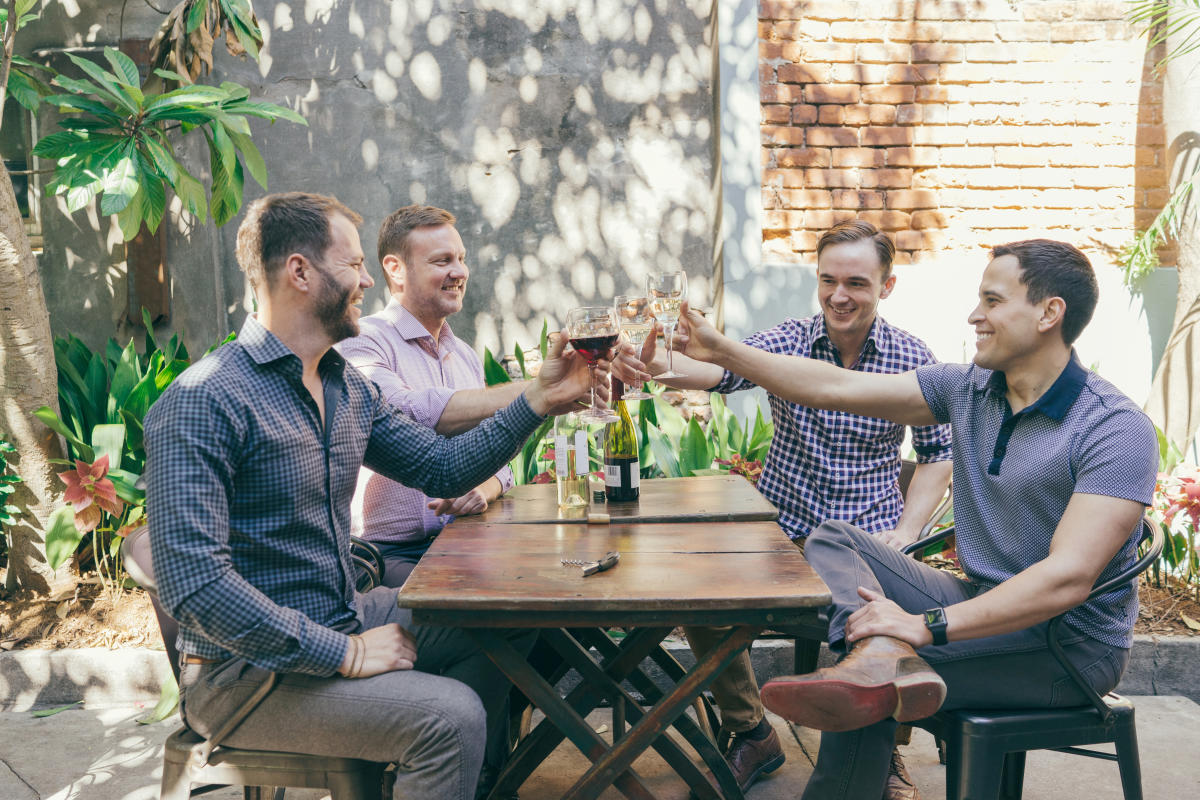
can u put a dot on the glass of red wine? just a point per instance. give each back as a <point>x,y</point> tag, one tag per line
<point>593,332</point>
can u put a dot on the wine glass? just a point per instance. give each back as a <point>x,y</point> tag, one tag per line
<point>593,331</point>
<point>636,323</point>
<point>667,291</point>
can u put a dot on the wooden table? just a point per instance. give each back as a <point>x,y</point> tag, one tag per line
<point>709,498</point>
<point>486,576</point>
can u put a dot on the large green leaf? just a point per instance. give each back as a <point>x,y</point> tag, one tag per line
<point>125,71</point>
<point>251,157</point>
<point>132,216</point>
<point>107,83</point>
<point>265,111</point>
<point>155,195</point>
<point>694,450</point>
<point>83,102</point>
<point>125,377</point>
<point>162,158</point>
<point>664,454</point>
<point>109,440</point>
<point>191,194</point>
<point>493,373</point>
<point>196,14</point>
<point>120,185</point>
<point>51,421</point>
<point>226,196</point>
<point>168,702</point>
<point>62,537</point>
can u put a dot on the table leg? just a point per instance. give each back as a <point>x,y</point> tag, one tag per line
<point>622,754</point>
<point>556,709</point>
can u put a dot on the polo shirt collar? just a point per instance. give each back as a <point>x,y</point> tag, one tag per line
<point>410,327</point>
<point>1056,401</point>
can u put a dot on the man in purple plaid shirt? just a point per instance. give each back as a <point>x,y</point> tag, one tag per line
<point>824,465</point>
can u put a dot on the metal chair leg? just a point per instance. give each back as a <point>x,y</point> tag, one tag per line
<point>1013,779</point>
<point>1128,759</point>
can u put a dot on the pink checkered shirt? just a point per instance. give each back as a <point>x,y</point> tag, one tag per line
<point>418,376</point>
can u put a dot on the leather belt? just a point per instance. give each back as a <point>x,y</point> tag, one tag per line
<point>188,658</point>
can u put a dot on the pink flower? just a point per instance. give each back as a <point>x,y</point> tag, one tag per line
<point>1183,496</point>
<point>90,493</point>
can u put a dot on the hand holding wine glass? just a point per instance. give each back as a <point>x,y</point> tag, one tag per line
<point>637,323</point>
<point>667,290</point>
<point>593,331</point>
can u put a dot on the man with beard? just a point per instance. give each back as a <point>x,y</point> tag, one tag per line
<point>1053,469</point>
<point>252,458</point>
<point>825,465</point>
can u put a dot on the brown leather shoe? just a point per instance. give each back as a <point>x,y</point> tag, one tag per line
<point>899,785</point>
<point>881,677</point>
<point>749,760</point>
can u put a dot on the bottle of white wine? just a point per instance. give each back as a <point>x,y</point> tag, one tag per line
<point>621,467</point>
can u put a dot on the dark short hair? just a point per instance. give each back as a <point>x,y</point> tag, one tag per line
<point>278,225</point>
<point>1057,269</point>
<point>395,230</point>
<point>853,230</point>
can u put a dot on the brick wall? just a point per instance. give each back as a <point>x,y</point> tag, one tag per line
<point>957,124</point>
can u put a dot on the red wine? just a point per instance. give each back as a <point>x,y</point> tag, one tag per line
<point>594,348</point>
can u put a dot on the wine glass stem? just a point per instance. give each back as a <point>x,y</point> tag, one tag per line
<point>592,375</point>
<point>670,326</point>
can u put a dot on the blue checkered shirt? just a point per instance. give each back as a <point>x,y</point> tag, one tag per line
<point>1015,473</point>
<point>826,465</point>
<point>249,496</point>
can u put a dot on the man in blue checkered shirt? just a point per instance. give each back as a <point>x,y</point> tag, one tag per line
<point>1053,470</point>
<point>825,464</point>
<point>252,459</point>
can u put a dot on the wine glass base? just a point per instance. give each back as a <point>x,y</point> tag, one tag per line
<point>668,375</point>
<point>637,396</point>
<point>598,415</point>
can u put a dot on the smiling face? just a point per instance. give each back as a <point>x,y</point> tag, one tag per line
<point>341,280</point>
<point>1007,325</point>
<point>432,280</point>
<point>850,284</point>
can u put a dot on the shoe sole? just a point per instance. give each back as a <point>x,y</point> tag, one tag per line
<point>838,706</point>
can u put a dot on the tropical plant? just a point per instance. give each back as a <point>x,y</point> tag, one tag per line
<point>116,143</point>
<point>1176,507</point>
<point>8,481</point>
<point>681,448</point>
<point>528,462</point>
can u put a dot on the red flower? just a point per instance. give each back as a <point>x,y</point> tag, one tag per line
<point>90,493</point>
<point>1183,496</point>
<point>543,477</point>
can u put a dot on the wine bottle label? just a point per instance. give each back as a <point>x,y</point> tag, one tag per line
<point>562,465</point>
<point>623,473</point>
<point>581,453</point>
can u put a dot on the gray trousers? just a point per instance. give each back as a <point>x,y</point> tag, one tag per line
<point>429,720</point>
<point>1013,670</point>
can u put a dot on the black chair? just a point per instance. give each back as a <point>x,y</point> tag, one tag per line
<point>189,759</point>
<point>985,748</point>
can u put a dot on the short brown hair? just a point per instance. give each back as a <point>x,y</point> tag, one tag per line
<point>395,230</point>
<point>278,225</point>
<point>853,230</point>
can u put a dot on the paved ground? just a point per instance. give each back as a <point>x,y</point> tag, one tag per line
<point>104,753</point>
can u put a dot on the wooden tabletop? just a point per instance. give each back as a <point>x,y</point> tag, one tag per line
<point>496,575</point>
<point>708,498</point>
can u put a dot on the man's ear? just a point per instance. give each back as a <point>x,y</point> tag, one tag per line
<point>888,285</point>
<point>297,272</point>
<point>1053,311</point>
<point>393,269</point>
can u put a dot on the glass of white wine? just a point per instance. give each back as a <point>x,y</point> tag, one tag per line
<point>636,323</point>
<point>667,291</point>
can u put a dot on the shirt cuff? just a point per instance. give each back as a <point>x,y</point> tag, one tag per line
<point>505,476</point>
<point>326,653</point>
<point>425,406</point>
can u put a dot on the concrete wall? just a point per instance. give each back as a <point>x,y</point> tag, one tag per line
<point>574,140</point>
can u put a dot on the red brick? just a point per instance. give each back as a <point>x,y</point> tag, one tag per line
<point>937,52</point>
<point>831,115</point>
<point>804,198</point>
<point>912,73</point>
<point>803,73</point>
<point>780,9</point>
<point>849,198</point>
<point>912,156</point>
<point>832,137</point>
<point>802,157</point>
<point>780,93</point>
<point>776,114</point>
<point>903,93</point>
<point>857,114</point>
<point>804,115</point>
<point>778,51</point>
<point>781,135</point>
<point>783,220</point>
<point>766,73</point>
<point>886,136</point>
<point>819,220</point>
<point>908,114</point>
<point>804,240</point>
<point>886,220</point>
<point>784,178</point>
<point>922,220</point>
<point>883,115</point>
<point>932,93</point>
<point>832,93</point>
<point>901,259</point>
<point>907,199</point>
<point>887,178</point>
<point>858,157</point>
<point>1156,198</point>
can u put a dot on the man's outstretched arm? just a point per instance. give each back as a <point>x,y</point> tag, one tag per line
<point>806,381</point>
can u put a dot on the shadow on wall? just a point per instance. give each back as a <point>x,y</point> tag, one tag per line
<point>574,142</point>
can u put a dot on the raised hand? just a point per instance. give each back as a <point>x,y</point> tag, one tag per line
<point>695,336</point>
<point>633,368</point>
<point>563,380</point>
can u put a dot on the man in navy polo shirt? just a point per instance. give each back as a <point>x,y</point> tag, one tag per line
<point>1053,469</point>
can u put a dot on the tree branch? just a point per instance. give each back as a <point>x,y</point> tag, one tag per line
<point>10,38</point>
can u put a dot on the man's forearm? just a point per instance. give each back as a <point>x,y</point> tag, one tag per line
<point>925,493</point>
<point>468,407</point>
<point>694,374</point>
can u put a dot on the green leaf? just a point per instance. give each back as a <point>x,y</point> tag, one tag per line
<point>196,15</point>
<point>226,196</point>
<point>132,216</point>
<point>107,83</point>
<point>163,160</point>
<point>119,187</point>
<point>125,377</point>
<point>168,702</point>
<point>62,537</point>
<point>664,454</point>
<point>268,111</point>
<point>493,373</point>
<point>50,712</point>
<point>23,7</point>
<point>170,75</point>
<point>519,355</point>
<point>125,482</point>
<point>544,339</point>
<point>191,194</point>
<point>51,421</point>
<point>124,69</point>
<point>59,144</point>
<point>252,158</point>
<point>109,440</point>
<point>694,452</point>
<point>155,195</point>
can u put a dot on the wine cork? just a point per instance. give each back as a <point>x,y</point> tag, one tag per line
<point>598,518</point>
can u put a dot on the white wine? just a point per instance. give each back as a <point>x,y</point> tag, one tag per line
<point>621,466</point>
<point>665,308</point>
<point>571,468</point>
<point>637,332</point>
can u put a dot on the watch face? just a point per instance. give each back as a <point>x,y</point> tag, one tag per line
<point>934,616</point>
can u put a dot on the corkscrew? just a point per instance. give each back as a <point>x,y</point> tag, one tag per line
<point>609,561</point>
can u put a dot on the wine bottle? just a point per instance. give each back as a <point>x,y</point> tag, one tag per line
<point>621,467</point>
<point>570,463</point>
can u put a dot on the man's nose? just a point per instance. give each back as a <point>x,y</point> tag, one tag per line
<point>364,278</point>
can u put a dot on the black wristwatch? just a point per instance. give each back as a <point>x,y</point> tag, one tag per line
<point>935,621</point>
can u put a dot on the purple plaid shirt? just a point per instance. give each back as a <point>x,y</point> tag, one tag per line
<point>418,376</point>
<point>826,465</point>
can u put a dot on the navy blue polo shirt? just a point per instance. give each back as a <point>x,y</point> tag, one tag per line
<point>1015,473</point>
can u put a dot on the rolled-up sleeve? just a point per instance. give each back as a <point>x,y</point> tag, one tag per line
<point>424,405</point>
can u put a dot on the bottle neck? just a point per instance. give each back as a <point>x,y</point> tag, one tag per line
<point>618,389</point>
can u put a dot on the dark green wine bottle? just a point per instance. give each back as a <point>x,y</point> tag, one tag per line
<point>621,467</point>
